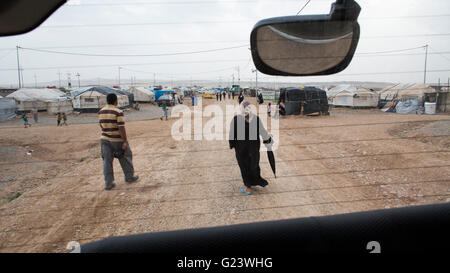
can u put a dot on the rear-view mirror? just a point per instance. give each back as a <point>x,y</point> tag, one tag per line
<point>307,45</point>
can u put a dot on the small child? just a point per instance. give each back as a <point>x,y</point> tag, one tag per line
<point>58,119</point>
<point>64,119</point>
<point>269,109</point>
<point>25,121</point>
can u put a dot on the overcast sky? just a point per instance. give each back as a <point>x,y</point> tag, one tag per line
<point>157,27</point>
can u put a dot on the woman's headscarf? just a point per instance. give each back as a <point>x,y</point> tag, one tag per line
<point>246,111</point>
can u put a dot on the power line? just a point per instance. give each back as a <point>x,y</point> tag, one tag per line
<point>280,129</point>
<point>171,3</point>
<point>134,55</point>
<point>440,53</point>
<point>284,176</point>
<point>226,196</point>
<point>148,24</point>
<point>303,7</point>
<point>221,212</point>
<point>220,22</point>
<point>132,64</point>
<point>391,51</point>
<point>217,150</point>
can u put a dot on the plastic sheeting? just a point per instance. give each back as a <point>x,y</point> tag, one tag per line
<point>142,94</point>
<point>37,94</point>
<point>8,108</point>
<point>406,92</point>
<point>159,93</point>
<point>407,107</point>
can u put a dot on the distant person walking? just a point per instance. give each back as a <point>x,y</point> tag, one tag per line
<point>269,109</point>
<point>35,115</point>
<point>58,119</point>
<point>232,94</point>
<point>64,116</point>
<point>220,96</point>
<point>164,110</point>
<point>282,108</point>
<point>114,143</point>
<point>229,95</point>
<point>241,98</point>
<point>217,96</point>
<point>25,120</point>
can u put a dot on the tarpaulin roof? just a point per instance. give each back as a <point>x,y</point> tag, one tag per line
<point>410,89</point>
<point>141,89</point>
<point>347,88</point>
<point>100,89</point>
<point>37,94</point>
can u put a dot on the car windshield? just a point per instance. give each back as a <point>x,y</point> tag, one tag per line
<point>374,136</point>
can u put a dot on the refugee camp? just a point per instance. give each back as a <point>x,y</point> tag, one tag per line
<point>130,126</point>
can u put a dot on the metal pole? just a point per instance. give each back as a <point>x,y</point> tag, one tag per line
<point>78,75</point>
<point>425,70</point>
<point>119,77</point>
<point>18,67</point>
<point>256,79</point>
<point>21,74</point>
<point>239,77</point>
<point>59,78</point>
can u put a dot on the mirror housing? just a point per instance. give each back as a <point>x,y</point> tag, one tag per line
<point>21,16</point>
<point>307,45</point>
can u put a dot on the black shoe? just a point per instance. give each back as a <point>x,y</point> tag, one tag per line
<point>133,179</point>
<point>110,187</point>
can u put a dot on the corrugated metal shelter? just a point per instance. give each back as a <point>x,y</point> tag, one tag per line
<point>93,98</point>
<point>142,94</point>
<point>37,99</point>
<point>8,107</point>
<point>352,96</point>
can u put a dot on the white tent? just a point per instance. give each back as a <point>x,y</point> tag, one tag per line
<point>403,92</point>
<point>142,94</point>
<point>93,98</point>
<point>8,108</point>
<point>353,96</point>
<point>38,98</point>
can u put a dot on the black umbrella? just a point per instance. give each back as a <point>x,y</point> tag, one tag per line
<point>271,157</point>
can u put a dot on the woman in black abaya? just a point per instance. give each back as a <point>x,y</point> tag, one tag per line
<point>244,138</point>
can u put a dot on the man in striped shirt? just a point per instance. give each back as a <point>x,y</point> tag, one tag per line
<point>114,142</point>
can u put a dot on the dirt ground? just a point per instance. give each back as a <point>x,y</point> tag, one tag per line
<point>352,160</point>
<point>147,111</point>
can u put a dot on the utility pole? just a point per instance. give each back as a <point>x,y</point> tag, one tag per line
<point>119,76</point>
<point>21,74</point>
<point>69,84</point>
<point>425,71</point>
<point>18,67</point>
<point>239,76</point>
<point>78,75</point>
<point>59,78</point>
<point>256,71</point>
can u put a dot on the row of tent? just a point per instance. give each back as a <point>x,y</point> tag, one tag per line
<point>357,96</point>
<point>88,99</point>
